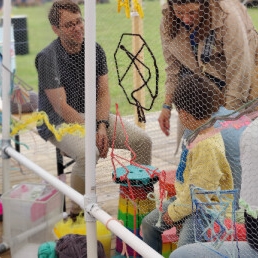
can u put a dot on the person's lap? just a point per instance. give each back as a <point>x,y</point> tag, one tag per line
<point>152,232</point>
<point>73,146</point>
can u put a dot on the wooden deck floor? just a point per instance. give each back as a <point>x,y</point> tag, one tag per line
<point>43,154</point>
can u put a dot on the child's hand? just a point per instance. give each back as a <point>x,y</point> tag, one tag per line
<point>166,218</point>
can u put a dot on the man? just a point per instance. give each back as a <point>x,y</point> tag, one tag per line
<point>60,69</point>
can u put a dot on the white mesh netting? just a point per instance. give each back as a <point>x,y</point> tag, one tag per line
<point>176,87</point>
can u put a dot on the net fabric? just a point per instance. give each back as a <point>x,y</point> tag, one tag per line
<point>249,179</point>
<point>162,157</point>
<point>205,54</point>
<point>199,102</point>
<point>215,213</point>
<point>246,216</point>
<point>232,227</point>
<point>189,49</point>
<point>145,70</point>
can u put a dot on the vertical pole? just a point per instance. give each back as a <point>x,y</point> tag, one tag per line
<point>90,123</point>
<point>137,28</point>
<point>6,89</point>
<point>6,112</point>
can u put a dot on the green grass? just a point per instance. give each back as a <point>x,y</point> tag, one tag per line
<point>110,26</point>
<point>39,35</point>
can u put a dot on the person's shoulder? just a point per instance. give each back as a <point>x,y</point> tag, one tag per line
<point>164,8</point>
<point>213,144</point>
<point>207,140</point>
<point>99,47</point>
<point>224,4</point>
<point>252,128</point>
<point>231,6</point>
<point>47,52</point>
<point>213,138</point>
<point>250,136</point>
<point>49,48</point>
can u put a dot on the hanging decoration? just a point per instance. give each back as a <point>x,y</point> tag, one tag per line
<point>37,118</point>
<point>124,72</point>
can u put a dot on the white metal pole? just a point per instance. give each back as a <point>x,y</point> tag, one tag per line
<point>6,82</point>
<point>90,122</point>
<point>6,110</point>
<point>131,239</point>
<point>111,223</point>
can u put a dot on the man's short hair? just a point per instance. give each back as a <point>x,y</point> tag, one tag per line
<point>58,5</point>
<point>198,96</point>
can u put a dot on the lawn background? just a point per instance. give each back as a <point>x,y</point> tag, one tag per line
<point>110,25</point>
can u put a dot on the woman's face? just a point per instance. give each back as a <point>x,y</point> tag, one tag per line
<point>188,13</point>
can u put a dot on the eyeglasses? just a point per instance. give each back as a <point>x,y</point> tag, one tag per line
<point>72,24</point>
<point>190,13</point>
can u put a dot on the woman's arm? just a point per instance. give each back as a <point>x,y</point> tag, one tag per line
<point>239,56</point>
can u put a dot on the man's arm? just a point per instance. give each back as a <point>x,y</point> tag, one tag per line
<point>103,99</point>
<point>57,98</point>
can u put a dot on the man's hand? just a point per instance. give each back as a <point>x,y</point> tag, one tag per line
<point>166,218</point>
<point>102,141</point>
<point>164,119</point>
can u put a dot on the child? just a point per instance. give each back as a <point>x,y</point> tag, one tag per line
<point>203,165</point>
<point>244,249</point>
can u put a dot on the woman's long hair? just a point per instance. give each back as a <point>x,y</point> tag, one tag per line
<point>204,16</point>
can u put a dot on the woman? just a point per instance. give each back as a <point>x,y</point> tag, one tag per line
<point>215,38</point>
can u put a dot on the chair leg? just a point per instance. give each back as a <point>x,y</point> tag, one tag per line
<point>60,168</point>
<point>59,162</point>
<point>17,141</point>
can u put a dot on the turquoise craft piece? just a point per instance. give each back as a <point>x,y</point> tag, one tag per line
<point>137,176</point>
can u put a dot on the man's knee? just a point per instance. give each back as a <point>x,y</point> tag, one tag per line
<point>142,140</point>
<point>147,140</point>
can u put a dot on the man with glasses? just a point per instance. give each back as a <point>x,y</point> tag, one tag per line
<point>60,69</point>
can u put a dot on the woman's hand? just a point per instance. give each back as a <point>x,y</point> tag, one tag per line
<point>164,121</point>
